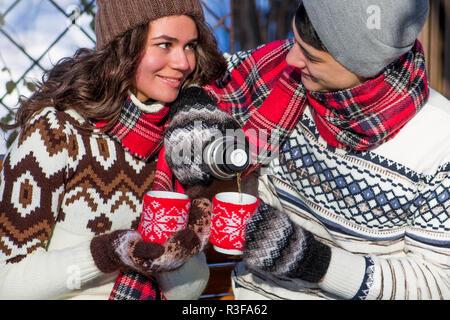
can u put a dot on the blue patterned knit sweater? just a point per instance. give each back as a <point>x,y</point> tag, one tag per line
<point>385,212</point>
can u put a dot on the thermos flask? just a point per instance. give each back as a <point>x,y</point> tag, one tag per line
<point>226,156</point>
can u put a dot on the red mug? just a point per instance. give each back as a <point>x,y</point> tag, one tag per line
<point>229,216</point>
<point>163,213</point>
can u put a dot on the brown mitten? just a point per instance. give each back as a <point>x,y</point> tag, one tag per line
<point>182,245</point>
<point>125,249</point>
<point>117,250</point>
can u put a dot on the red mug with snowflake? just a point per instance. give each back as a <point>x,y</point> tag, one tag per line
<point>163,213</point>
<point>229,216</point>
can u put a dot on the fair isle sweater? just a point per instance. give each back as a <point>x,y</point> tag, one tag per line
<point>59,187</point>
<point>385,213</point>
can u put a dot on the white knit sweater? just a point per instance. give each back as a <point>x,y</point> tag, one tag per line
<point>385,213</point>
<point>59,187</point>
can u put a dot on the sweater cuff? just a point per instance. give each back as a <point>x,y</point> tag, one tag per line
<point>345,275</point>
<point>84,263</point>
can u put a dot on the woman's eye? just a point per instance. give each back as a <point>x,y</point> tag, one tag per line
<point>164,45</point>
<point>191,46</point>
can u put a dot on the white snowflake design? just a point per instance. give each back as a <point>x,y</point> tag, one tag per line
<point>229,226</point>
<point>159,221</point>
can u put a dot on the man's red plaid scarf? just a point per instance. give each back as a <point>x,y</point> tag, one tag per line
<point>370,114</point>
<point>267,98</point>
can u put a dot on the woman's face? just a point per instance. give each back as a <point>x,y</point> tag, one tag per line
<point>169,58</point>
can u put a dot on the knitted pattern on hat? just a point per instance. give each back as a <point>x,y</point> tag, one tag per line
<point>115,17</point>
<point>274,244</point>
<point>196,121</point>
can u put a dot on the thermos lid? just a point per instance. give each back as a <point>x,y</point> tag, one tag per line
<point>225,157</point>
<point>238,158</point>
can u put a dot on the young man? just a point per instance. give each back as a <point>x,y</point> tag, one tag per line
<point>357,204</point>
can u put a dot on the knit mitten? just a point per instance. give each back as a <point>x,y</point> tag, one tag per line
<point>125,249</point>
<point>275,245</point>
<point>118,250</point>
<point>196,120</point>
<point>200,220</point>
<point>182,245</point>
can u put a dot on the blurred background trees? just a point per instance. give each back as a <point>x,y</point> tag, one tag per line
<point>257,22</point>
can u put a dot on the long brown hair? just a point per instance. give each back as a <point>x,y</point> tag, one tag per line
<point>95,83</point>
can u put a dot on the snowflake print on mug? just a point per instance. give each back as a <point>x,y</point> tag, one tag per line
<point>163,216</point>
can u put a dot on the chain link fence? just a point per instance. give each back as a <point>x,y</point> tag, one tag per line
<point>36,34</point>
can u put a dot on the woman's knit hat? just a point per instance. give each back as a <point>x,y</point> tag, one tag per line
<point>115,17</point>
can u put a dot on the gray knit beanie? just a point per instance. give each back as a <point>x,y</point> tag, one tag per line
<point>115,17</point>
<point>366,35</point>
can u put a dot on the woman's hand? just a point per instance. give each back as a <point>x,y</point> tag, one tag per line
<point>125,249</point>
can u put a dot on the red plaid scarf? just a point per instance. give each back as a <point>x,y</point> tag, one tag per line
<point>258,81</point>
<point>141,134</point>
<point>134,286</point>
<point>366,116</point>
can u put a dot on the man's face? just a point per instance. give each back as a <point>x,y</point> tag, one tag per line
<point>320,71</point>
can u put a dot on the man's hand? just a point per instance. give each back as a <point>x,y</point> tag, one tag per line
<point>276,245</point>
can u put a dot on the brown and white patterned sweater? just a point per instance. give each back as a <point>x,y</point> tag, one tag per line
<point>60,186</point>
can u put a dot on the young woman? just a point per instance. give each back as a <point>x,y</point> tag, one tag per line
<point>72,184</point>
